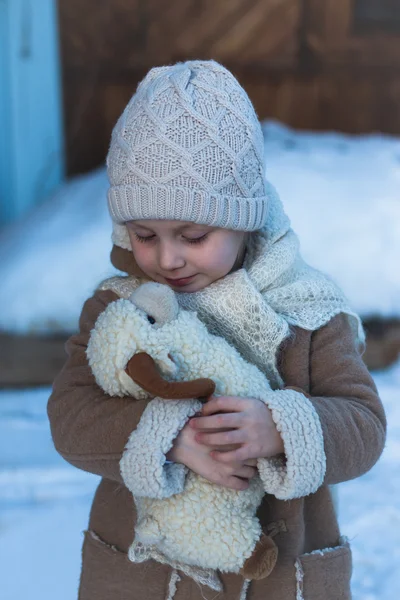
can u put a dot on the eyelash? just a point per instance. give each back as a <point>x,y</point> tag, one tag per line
<point>199,240</point>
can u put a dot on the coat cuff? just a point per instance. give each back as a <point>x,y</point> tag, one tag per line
<point>301,470</point>
<point>142,465</point>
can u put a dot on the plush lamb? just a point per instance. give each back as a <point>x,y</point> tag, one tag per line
<point>148,347</point>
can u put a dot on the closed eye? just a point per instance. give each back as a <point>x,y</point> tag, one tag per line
<point>196,240</point>
<point>148,238</point>
<point>143,239</point>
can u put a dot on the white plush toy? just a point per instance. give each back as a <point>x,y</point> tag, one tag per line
<point>146,346</point>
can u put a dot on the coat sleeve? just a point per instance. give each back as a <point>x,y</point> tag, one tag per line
<point>89,427</point>
<point>346,400</point>
<point>336,432</point>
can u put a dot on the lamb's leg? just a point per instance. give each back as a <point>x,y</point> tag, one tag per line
<point>147,531</point>
<point>263,559</point>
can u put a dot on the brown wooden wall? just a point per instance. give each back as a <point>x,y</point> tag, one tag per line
<point>315,64</point>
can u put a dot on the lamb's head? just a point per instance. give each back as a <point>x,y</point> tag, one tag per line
<point>143,341</point>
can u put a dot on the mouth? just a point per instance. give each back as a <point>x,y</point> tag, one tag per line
<point>182,281</point>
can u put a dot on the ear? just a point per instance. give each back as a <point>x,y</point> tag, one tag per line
<point>124,261</point>
<point>143,371</point>
<point>111,344</point>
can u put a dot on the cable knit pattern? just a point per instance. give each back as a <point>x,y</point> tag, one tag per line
<point>188,146</point>
<point>301,470</point>
<point>143,462</point>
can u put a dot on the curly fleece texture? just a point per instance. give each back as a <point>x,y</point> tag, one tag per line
<point>179,516</point>
<point>143,465</point>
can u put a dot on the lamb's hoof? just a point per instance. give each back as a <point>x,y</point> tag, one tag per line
<point>148,532</point>
<point>262,561</point>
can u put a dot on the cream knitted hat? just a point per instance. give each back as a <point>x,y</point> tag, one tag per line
<point>188,147</point>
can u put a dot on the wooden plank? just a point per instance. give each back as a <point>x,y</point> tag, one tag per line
<point>331,33</point>
<point>327,24</point>
<point>100,32</point>
<point>372,51</point>
<point>30,360</point>
<point>383,343</point>
<point>200,32</point>
<point>253,25</point>
<point>352,102</point>
<point>86,144</point>
<point>277,40</point>
<point>154,32</point>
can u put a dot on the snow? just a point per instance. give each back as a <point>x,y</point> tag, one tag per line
<point>52,261</point>
<point>44,505</point>
<point>341,192</point>
<point>342,195</point>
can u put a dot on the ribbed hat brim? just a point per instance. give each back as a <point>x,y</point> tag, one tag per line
<point>134,202</point>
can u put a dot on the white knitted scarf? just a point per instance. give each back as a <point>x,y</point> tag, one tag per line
<point>254,307</point>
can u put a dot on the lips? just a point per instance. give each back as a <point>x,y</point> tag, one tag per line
<point>181,281</point>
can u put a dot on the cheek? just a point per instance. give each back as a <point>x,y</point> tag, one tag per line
<point>223,255</point>
<point>142,256</point>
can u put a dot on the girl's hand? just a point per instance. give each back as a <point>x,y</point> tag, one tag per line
<point>248,424</point>
<point>196,456</point>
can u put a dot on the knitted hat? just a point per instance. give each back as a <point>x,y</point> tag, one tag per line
<point>187,147</point>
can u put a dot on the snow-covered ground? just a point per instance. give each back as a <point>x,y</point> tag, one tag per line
<point>44,506</point>
<point>341,192</point>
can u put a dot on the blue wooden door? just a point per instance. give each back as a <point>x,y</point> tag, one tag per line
<point>31,140</point>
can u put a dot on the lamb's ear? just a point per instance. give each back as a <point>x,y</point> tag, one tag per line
<point>111,344</point>
<point>142,369</point>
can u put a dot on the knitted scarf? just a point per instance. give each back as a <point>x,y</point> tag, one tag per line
<point>254,307</point>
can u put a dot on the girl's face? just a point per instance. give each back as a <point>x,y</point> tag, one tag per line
<point>171,250</point>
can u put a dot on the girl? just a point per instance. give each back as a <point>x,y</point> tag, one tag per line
<point>191,209</point>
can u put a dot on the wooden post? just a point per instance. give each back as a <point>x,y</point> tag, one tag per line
<point>31,140</point>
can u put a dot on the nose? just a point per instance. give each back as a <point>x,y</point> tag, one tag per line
<point>171,256</point>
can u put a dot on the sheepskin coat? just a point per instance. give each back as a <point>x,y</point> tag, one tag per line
<point>90,430</point>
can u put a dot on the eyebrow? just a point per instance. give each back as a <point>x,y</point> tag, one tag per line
<point>179,228</point>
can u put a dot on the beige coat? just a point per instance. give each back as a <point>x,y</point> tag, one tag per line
<point>90,430</point>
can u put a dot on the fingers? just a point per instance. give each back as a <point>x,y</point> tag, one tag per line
<point>251,462</point>
<point>220,421</point>
<point>226,447</point>
<point>239,480</point>
<point>235,483</point>
<point>236,436</point>
<point>245,472</point>
<point>224,404</point>
<point>240,455</point>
